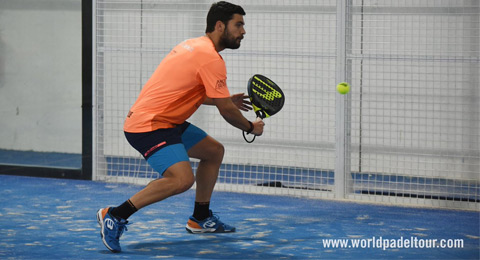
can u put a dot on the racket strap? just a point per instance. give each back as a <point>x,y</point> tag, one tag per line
<point>245,138</point>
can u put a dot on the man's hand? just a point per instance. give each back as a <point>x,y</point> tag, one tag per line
<point>258,127</point>
<point>231,113</point>
<point>242,102</point>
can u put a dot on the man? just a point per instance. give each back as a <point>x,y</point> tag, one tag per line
<point>193,73</point>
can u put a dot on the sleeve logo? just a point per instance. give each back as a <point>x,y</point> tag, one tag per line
<point>221,83</point>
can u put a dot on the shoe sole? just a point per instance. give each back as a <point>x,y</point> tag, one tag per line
<point>207,230</point>
<point>100,222</point>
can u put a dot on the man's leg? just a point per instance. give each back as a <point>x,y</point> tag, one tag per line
<point>210,152</point>
<point>176,179</point>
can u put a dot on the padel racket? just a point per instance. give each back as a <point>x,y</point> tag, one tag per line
<point>267,98</point>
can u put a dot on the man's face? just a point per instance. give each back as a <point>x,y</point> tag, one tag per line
<point>234,31</point>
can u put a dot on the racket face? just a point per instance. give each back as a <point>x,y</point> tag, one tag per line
<point>267,98</point>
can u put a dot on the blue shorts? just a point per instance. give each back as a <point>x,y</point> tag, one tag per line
<point>163,148</point>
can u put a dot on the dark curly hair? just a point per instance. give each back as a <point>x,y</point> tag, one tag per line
<point>221,11</point>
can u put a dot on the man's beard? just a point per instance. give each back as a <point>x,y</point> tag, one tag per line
<point>229,42</point>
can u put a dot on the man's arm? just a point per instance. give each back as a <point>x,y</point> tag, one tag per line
<point>240,100</point>
<point>233,116</point>
<point>208,101</point>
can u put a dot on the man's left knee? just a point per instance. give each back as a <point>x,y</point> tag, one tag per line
<point>218,150</point>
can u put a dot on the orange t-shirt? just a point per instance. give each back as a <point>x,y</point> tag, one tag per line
<point>192,71</point>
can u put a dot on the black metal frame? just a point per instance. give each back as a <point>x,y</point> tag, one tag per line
<point>87,87</point>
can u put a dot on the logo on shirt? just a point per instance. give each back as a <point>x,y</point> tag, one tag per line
<point>221,83</point>
<point>187,47</point>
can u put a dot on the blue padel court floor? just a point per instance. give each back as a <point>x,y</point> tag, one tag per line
<point>55,219</point>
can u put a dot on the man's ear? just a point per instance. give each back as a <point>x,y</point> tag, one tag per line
<point>219,26</point>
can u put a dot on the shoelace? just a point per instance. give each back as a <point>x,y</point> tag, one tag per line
<point>215,216</point>
<point>122,226</point>
<point>216,219</point>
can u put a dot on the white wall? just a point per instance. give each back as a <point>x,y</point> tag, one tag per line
<point>40,75</point>
<point>418,77</point>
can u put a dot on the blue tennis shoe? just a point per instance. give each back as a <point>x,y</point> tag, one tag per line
<point>211,224</point>
<point>111,229</point>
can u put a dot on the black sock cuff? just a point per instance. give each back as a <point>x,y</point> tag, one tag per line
<point>131,205</point>
<point>124,211</point>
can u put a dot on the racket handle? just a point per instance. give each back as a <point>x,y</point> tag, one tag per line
<point>260,114</point>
